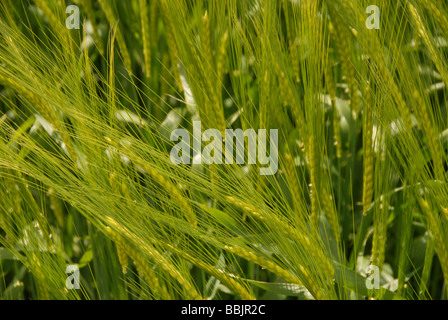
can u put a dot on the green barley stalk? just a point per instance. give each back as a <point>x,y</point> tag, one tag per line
<point>293,50</point>
<point>341,37</point>
<point>87,5</point>
<point>109,11</point>
<point>214,108</point>
<point>145,35</point>
<point>437,234</point>
<point>331,88</point>
<point>57,206</point>
<point>154,19</point>
<point>294,184</point>
<point>52,19</point>
<point>423,32</point>
<point>429,256</point>
<point>173,50</point>
<point>438,12</point>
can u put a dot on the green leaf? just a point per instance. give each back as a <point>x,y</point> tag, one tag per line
<point>356,283</point>
<point>225,219</point>
<point>86,258</point>
<point>6,254</point>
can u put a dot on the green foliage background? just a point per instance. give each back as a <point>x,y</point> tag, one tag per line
<point>86,177</point>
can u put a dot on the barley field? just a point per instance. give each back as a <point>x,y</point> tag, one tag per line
<point>337,186</point>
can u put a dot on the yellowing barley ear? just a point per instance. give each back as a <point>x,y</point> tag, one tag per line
<point>445,212</point>
<point>121,249</point>
<point>379,235</point>
<point>279,271</point>
<point>43,292</point>
<point>264,263</point>
<point>221,59</point>
<point>157,287</point>
<point>113,180</point>
<point>293,182</point>
<point>225,278</point>
<point>122,257</point>
<point>331,213</point>
<point>123,235</point>
<point>313,164</point>
<point>206,39</point>
<point>367,192</point>
<point>145,270</point>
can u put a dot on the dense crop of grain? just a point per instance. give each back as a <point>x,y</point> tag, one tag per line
<point>93,95</point>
